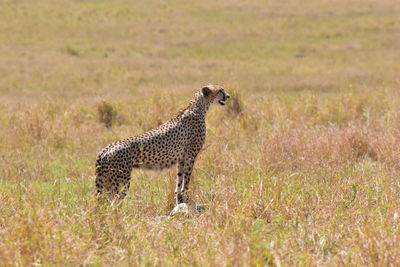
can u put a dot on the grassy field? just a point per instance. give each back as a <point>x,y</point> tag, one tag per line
<point>301,168</point>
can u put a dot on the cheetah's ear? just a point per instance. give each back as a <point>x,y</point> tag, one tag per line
<point>206,91</point>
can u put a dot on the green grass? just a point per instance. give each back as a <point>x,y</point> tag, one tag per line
<point>302,170</point>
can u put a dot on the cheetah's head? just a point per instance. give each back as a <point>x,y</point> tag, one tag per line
<point>215,94</point>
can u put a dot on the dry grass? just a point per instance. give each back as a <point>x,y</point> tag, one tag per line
<point>301,168</point>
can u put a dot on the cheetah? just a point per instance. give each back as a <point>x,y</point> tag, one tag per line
<point>177,141</point>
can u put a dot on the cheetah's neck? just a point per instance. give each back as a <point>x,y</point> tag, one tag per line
<point>197,105</point>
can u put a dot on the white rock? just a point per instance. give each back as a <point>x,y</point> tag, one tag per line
<point>180,208</point>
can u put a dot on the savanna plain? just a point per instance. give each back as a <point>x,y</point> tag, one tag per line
<point>301,167</point>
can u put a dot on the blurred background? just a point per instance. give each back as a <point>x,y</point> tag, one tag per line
<point>119,49</point>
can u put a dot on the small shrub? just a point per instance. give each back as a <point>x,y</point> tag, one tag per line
<point>236,105</point>
<point>72,51</point>
<point>107,114</point>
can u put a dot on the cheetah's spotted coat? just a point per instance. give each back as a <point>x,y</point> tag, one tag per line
<point>177,141</point>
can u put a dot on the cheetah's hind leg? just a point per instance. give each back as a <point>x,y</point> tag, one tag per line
<point>113,187</point>
<point>123,189</point>
<point>100,188</point>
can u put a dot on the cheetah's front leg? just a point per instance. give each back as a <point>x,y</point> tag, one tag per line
<point>183,180</point>
<point>179,181</point>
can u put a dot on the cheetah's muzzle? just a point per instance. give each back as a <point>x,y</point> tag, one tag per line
<point>222,102</point>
